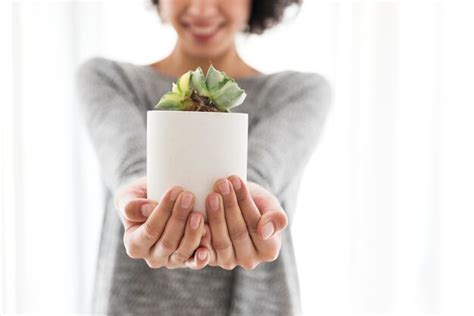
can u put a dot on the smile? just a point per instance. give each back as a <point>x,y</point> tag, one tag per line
<point>203,33</point>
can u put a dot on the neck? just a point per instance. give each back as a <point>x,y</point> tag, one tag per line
<point>179,62</point>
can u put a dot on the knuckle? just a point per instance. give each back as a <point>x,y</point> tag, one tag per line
<point>149,231</point>
<point>180,255</point>
<point>228,266</point>
<point>248,264</point>
<point>165,247</point>
<point>239,235</point>
<point>221,245</point>
<point>153,263</point>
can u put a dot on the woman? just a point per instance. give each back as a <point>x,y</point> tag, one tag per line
<point>161,258</point>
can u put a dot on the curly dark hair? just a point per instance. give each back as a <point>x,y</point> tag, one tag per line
<point>264,13</point>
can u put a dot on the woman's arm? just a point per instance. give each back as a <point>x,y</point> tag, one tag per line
<point>246,224</point>
<point>164,234</point>
<point>288,130</point>
<point>113,120</point>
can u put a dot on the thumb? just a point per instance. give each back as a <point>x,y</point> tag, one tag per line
<point>206,241</point>
<point>131,203</point>
<point>138,209</point>
<point>271,223</point>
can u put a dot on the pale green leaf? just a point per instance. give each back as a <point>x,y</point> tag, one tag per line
<point>183,83</point>
<point>228,96</point>
<point>198,82</point>
<point>213,78</point>
<point>176,88</point>
<point>170,101</point>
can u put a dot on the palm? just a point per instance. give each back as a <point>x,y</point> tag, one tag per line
<point>264,206</point>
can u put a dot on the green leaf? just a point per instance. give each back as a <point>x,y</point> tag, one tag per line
<point>183,83</point>
<point>214,78</point>
<point>170,101</point>
<point>228,96</point>
<point>198,82</point>
<point>175,88</point>
<point>222,90</point>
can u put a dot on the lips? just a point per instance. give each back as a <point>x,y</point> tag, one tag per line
<point>202,32</point>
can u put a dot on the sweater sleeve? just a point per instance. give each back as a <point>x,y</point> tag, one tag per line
<point>289,127</point>
<point>113,120</point>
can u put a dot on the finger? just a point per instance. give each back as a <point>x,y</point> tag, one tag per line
<point>271,223</point>
<point>271,210</point>
<point>206,241</point>
<point>248,208</point>
<point>129,191</point>
<point>136,207</point>
<point>138,210</point>
<point>268,242</point>
<point>221,242</point>
<point>190,241</point>
<point>199,260</point>
<point>174,228</point>
<point>139,240</point>
<point>236,226</point>
<point>265,201</point>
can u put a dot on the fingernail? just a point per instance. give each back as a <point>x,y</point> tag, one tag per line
<point>268,230</point>
<point>202,255</point>
<point>224,186</point>
<point>186,200</point>
<point>214,203</point>
<point>174,194</point>
<point>147,209</point>
<point>235,183</point>
<point>195,219</point>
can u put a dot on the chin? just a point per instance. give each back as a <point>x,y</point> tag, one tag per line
<point>205,52</point>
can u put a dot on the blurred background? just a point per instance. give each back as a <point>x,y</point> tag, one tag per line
<point>385,213</point>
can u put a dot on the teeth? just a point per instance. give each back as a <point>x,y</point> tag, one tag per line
<point>199,30</point>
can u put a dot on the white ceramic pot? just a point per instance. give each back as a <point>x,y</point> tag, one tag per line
<point>193,150</point>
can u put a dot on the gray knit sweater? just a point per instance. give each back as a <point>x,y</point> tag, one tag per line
<point>287,111</point>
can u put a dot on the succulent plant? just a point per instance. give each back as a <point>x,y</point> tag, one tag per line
<point>215,92</point>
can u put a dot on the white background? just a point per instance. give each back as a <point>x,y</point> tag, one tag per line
<point>385,211</point>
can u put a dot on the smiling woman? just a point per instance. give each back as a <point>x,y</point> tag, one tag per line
<point>241,261</point>
<point>383,223</point>
<point>207,32</point>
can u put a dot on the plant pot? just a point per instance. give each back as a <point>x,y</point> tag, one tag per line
<point>194,150</point>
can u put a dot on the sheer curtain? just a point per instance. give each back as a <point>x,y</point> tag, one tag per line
<point>385,214</point>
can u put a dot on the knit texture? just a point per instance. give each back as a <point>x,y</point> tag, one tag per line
<point>287,111</point>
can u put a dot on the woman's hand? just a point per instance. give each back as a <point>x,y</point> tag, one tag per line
<point>164,234</point>
<point>245,224</point>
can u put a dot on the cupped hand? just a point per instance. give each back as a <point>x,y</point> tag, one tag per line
<point>245,224</point>
<point>165,234</point>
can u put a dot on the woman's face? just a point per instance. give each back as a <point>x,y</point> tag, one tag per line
<point>206,28</point>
